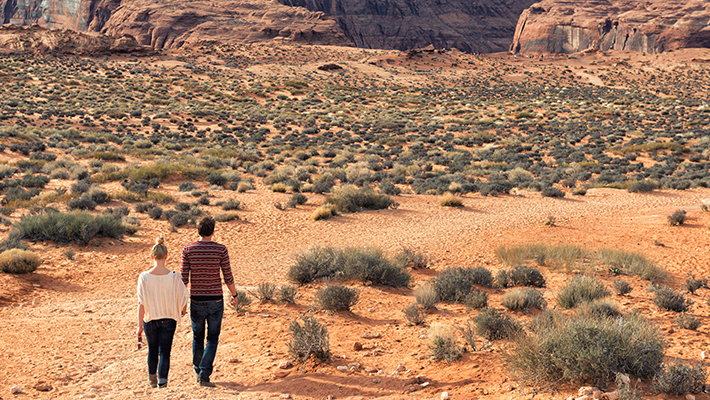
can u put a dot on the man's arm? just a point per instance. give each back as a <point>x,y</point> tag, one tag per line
<point>228,277</point>
<point>185,267</point>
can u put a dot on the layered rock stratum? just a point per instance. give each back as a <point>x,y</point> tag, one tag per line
<point>651,26</point>
<point>173,23</point>
<point>35,39</point>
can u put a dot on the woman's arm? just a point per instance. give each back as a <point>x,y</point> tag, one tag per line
<point>141,314</point>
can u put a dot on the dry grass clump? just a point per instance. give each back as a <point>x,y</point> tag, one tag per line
<point>523,299</point>
<point>520,275</point>
<point>414,314</point>
<point>350,199</point>
<point>554,256</point>
<point>687,321</point>
<point>287,294</point>
<point>265,291</point>
<point>454,284</point>
<point>581,289</point>
<point>227,216</point>
<point>494,325</point>
<point>412,258</point>
<point>579,348</point>
<point>450,200</point>
<point>442,344</point>
<point>622,287</point>
<point>324,212</point>
<point>309,340</point>
<point>336,298</point>
<point>426,296</point>
<point>630,262</point>
<point>18,261</point>
<point>679,378</point>
<point>668,299</point>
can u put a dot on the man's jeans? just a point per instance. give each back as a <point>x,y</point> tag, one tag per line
<point>159,335</point>
<point>203,356</point>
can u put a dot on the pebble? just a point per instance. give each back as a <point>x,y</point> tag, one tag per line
<point>444,395</point>
<point>285,364</point>
<point>357,346</point>
<point>371,370</point>
<point>233,360</point>
<point>342,368</point>
<point>285,395</point>
<point>703,355</point>
<point>16,390</point>
<point>689,397</point>
<point>400,368</point>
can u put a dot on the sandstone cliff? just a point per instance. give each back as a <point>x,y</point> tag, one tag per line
<point>171,23</point>
<point>35,39</point>
<point>651,26</point>
<point>482,26</point>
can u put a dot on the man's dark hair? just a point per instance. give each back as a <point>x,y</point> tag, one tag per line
<point>205,227</point>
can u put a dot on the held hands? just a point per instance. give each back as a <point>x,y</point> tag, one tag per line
<point>184,311</point>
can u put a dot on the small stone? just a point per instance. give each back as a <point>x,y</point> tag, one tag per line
<point>233,360</point>
<point>281,374</point>
<point>285,364</point>
<point>357,346</point>
<point>400,368</point>
<point>585,397</point>
<point>703,355</point>
<point>354,366</point>
<point>425,384</point>
<point>611,395</point>
<point>624,378</point>
<point>585,391</point>
<point>285,395</point>
<point>342,368</point>
<point>411,388</point>
<point>444,395</point>
<point>371,335</point>
<point>689,397</point>
<point>43,387</point>
<point>371,370</point>
<point>15,390</point>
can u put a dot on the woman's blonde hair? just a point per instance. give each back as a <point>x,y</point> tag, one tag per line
<point>159,251</point>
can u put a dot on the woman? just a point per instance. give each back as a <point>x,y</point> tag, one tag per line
<point>162,301</point>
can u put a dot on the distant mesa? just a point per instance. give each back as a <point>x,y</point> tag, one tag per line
<point>650,26</point>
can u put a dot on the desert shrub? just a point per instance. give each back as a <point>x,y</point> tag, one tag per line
<point>317,262</point>
<point>184,207</point>
<point>668,299</point>
<point>679,378</point>
<point>493,325</point>
<point>187,187</point>
<point>389,188</point>
<point>523,299</point>
<point>18,261</point>
<point>336,297</point>
<point>231,205</point>
<point>426,296</point>
<point>278,188</point>
<point>554,256</point>
<point>450,200</point>
<point>677,218</point>
<point>412,258</point>
<point>622,287</point>
<point>454,284</point>
<point>143,207</point>
<point>127,196</point>
<point>692,284</point>
<point>217,179</point>
<point>265,291</point>
<point>82,203</point>
<point>287,294</point>
<point>243,301</point>
<point>582,288</point>
<point>296,200</point>
<point>155,212</point>
<point>324,212</point>
<point>552,191</point>
<point>687,321</point>
<point>468,332</point>
<point>350,199</point>
<point>442,344</point>
<point>204,200</point>
<point>160,198</point>
<point>243,186</point>
<point>630,262</point>
<point>414,314</point>
<point>641,186</point>
<point>520,275</point>
<point>13,242</point>
<point>369,264</point>
<point>579,191</point>
<point>180,219</point>
<point>227,216</point>
<point>77,226</point>
<point>578,348</point>
<point>601,308</point>
<point>476,299</point>
<point>309,339</point>
<point>97,195</point>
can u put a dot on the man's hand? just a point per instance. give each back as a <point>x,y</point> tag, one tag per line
<point>234,301</point>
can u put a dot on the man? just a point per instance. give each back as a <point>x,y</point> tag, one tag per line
<point>200,266</point>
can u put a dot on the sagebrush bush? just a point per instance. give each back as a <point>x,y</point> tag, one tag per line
<point>336,297</point>
<point>317,262</point>
<point>243,301</point>
<point>309,340</point>
<point>468,332</point>
<point>520,275</point>
<point>411,258</point>
<point>477,299</point>
<point>287,294</point>
<point>265,291</point>
<point>630,262</point>
<point>494,325</point>
<point>687,321</point>
<point>77,226</point>
<point>369,264</point>
<point>642,186</point>
<point>450,200</point>
<point>18,261</point>
<point>679,378</point>
<point>231,204</point>
<point>677,218</point>
<point>324,212</point>
<point>414,314</point>
<point>454,284</point>
<point>668,299</point>
<point>578,348</point>
<point>551,191</point>
<point>426,296</point>
<point>601,308</point>
<point>350,199</point>
<point>523,299</point>
<point>582,288</point>
<point>187,187</point>
<point>692,284</point>
<point>227,216</point>
<point>442,344</point>
<point>82,203</point>
<point>622,287</point>
<point>155,212</point>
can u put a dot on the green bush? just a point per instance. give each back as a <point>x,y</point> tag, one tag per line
<point>454,284</point>
<point>426,296</point>
<point>82,203</point>
<point>230,205</point>
<point>368,264</point>
<point>477,299</point>
<point>680,378</point>
<point>309,340</point>
<point>414,314</point>
<point>287,294</point>
<point>668,299</point>
<point>630,262</point>
<point>18,261</point>
<point>577,348</point>
<point>77,226</point>
<point>155,212</point>
<point>642,186</point>
<point>687,321</point>
<point>523,299</point>
<point>582,288</point>
<point>317,262</point>
<point>551,191</point>
<point>336,298</point>
<point>493,325</point>
<point>442,344</point>
<point>520,275</point>
<point>411,258</point>
<point>601,308</point>
<point>350,199</point>
<point>265,291</point>
<point>677,218</point>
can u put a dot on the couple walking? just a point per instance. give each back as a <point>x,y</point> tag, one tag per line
<point>162,301</point>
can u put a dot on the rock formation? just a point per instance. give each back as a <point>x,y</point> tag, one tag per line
<point>481,26</point>
<point>651,26</point>
<point>35,39</point>
<point>172,23</point>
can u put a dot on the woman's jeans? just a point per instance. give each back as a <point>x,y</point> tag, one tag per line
<point>209,313</point>
<point>159,335</point>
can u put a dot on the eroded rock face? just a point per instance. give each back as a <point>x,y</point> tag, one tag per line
<point>172,23</point>
<point>482,25</point>
<point>35,39</point>
<point>651,26</point>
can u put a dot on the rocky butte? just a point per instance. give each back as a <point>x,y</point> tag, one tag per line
<point>650,26</point>
<point>482,25</point>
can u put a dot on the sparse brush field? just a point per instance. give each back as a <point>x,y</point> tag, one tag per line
<point>481,226</point>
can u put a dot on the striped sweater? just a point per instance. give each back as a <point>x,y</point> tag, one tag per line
<point>200,265</point>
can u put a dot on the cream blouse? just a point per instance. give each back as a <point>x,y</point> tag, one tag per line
<point>162,296</point>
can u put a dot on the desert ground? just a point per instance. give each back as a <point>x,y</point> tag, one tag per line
<point>67,329</point>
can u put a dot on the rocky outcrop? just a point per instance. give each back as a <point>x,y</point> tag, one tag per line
<point>172,23</point>
<point>651,26</point>
<point>481,26</point>
<point>35,39</point>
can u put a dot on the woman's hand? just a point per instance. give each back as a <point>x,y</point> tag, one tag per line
<point>184,311</point>
<point>139,332</point>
